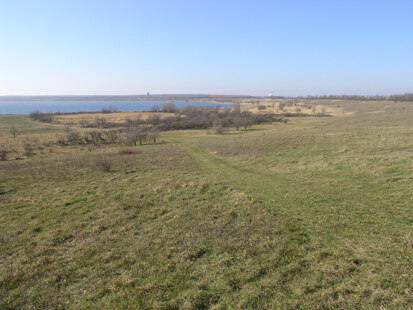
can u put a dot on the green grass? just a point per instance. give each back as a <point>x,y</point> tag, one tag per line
<point>24,126</point>
<point>313,214</point>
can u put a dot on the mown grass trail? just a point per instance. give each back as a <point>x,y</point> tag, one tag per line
<point>351,224</point>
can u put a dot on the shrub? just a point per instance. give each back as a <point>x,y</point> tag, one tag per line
<point>111,109</point>
<point>42,117</point>
<point>113,136</point>
<point>219,127</point>
<point>73,138</point>
<point>61,141</point>
<point>28,149</point>
<point>3,153</point>
<point>101,122</point>
<point>104,164</point>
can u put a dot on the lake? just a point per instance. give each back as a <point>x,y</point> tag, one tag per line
<point>26,107</point>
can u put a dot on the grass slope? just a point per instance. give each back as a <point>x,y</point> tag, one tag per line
<point>315,214</point>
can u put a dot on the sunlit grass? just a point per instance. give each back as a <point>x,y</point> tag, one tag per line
<point>316,213</point>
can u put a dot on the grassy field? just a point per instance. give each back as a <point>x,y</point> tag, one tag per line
<point>313,214</point>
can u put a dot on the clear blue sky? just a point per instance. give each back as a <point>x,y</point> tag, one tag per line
<point>212,47</point>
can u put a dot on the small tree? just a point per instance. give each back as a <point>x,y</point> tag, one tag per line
<point>237,122</point>
<point>113,136</point>
<point>154,133</point>
<point>13,131</point>
<point>135,134</point>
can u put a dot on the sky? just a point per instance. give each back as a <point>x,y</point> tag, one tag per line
<point>124,47</point>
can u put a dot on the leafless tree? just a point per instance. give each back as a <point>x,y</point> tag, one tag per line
<point>155,108</point>
<point>237,122</point>
<point>154,133</point>
<point>168,107</point>
<point>13,131</point>
<point>135,134</point>
<point>113,136</point>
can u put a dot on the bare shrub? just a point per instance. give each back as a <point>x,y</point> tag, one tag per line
<point>61,141</point>
<point>113,136</point>
<point>168,107</point>
<point>42,117</point>
<point>28,149</point>
<point>73,138</point>
<point>155,108</point>
<point>313,109</point>
<point>111,109</point>
<point>262,107</point>
<point>219,126</point>
<point>101,122</point>
<point>104,164</point>
<point>3,153</point>
<point>96,137</point>
<point>84,123</point>
<point>154,119</point>
<point>323,110</point>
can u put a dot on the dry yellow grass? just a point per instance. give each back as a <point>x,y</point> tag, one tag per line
<point>118,117</point>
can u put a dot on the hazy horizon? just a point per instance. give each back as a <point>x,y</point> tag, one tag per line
<point>127,48</point>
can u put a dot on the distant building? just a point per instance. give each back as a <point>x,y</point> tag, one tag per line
<point>147,94</point>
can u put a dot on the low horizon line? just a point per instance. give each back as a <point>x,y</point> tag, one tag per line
<point>211,95</point>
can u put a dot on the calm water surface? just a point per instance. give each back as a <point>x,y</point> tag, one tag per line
<point>26,107</point>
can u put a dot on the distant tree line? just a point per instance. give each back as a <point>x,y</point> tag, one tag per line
<point>403,97</point>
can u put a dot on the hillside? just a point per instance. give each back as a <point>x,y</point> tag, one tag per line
<point>316,213</point>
